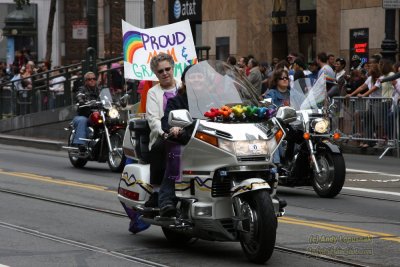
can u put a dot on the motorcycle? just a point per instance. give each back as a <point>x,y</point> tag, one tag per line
<point>309,154</point>
<point>226,182</point>
<point>106,133</point>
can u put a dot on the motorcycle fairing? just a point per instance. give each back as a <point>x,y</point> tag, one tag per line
<point>248,185</point>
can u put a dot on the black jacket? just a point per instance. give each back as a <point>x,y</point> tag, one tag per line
<point>84,95</point>
<point>180,101</point>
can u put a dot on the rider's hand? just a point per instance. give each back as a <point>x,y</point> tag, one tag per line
<point>175,131</point>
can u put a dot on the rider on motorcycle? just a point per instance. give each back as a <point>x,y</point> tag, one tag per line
<point>163,67</point>
<point>86,93</point>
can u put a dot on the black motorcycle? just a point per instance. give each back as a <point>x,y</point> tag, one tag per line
<point>309,155</point>
<point>106,134</point>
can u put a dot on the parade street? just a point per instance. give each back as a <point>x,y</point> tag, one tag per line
<point>55,215</point>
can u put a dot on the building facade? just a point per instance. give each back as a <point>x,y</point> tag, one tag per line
<point>259,27</point>
<point>228,27</point>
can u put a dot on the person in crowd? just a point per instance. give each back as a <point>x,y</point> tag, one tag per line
<point>373,75</point>
<point>162,66</point>
<point>314,69</point>
<point>117,81</point>
<point>280,96</point>
<point>380,109</point>
<point>102,79</point>
<point>231,60</point>
<point>331,60</point>
<point>339,89</point>
<point>291,57</point>
<point>255,76</point>
<point>242,64</point>
<point>274,61</point>
<point>355,63</point>
<point>89,91</point>
<point>325,69</point>
<point>264,69</point>
<point>56,88</point>
<point>394,109</point>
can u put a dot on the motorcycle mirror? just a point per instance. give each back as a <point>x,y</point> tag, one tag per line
<point>124,100</point>
<point>180,118</point>
<point>266,101</point>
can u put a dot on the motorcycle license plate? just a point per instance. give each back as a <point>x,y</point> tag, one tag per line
<point>254,149</point>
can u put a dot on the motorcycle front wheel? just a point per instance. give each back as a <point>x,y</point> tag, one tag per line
<point>75,161</point>
<point>116,158</point>
<point>330,181</point>
<point>259,242</point>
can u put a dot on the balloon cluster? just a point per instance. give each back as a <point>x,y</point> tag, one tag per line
<point>240,113</point>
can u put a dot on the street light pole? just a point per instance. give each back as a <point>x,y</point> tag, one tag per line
<point>389,45</point>
<point>92,23</point>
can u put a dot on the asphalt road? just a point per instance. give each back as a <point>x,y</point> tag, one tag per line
<point>360,226</point>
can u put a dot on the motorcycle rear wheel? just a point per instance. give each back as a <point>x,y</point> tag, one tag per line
<point>116,158</point>
<point>176,238</point>
<point>258,244</point>
<point>75,161</point>
<point>330,182</point>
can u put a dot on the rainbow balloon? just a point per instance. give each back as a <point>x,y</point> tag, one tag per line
<point>132,42</point>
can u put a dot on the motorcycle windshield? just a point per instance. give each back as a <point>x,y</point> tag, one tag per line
<point>213,84</point>
<point>106,98</point>
<point>306,96</point>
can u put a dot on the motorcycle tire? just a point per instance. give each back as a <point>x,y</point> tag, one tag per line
<point>75,161</point>
<point>258,244</point>
<point>330,182</point>
<point>176,238</point>
<point>116,161</point>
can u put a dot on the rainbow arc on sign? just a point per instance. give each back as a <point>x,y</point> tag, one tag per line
<point>132,41</point>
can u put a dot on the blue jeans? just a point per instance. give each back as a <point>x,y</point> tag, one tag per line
<point>81,129</point>
<point>166,196</point>
<point>276,157</point>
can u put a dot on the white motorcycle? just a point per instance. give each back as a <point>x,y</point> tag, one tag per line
<point>227,182</point>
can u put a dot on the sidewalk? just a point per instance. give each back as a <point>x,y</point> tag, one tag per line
<point>24,141</point>
<point>350,147</point>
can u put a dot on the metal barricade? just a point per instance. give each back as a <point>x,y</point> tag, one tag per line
<point>7,102</point>
<point>368,119</point>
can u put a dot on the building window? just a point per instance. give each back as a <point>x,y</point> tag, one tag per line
<point>222,48</point>
<point>307,5</point>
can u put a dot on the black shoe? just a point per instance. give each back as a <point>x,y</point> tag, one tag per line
<point>153,201</point>
<point>168,210</point>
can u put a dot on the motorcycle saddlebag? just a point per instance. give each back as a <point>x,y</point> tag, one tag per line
<point>136,140</point>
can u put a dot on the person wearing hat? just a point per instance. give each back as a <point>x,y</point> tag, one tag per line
<point>313,68</point>
<point>355,63</point>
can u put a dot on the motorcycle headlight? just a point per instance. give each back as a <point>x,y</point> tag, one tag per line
<point>113,113</point>
<point>245,148</point>
<point>320,125</point>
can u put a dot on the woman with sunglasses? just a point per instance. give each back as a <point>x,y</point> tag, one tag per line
<point>279,92</point>
<point>157,97</point>
<point>280,96</point>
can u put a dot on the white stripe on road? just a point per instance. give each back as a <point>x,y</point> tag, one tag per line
<point>372,191</point>
<point>372,172</point>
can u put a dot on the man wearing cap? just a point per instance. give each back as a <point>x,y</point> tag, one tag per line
<point>355,63</point>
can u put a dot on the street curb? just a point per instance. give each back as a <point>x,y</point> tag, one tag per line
<point>31,142</point>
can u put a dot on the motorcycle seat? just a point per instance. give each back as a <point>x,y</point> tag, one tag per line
<point>140,131</point>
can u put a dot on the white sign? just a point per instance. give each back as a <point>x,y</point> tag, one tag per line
<point>79,29</point>
<point>391,4</point>
<point>140,45</point>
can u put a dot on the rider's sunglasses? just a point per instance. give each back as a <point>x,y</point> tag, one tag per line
<point>161,71</point>
<point>284,79</point>
<point>91,79</point>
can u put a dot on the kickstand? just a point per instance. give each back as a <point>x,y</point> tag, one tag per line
<point>384,152</point>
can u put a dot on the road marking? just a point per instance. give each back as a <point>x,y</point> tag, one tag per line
<point>374,180</point>
<point>288,220</point>
<point>340,229</point>
<point>41,178</point>
<point>372,172</point>
<point>372,191</point>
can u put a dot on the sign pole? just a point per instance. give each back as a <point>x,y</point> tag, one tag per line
<point>389,45</point>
